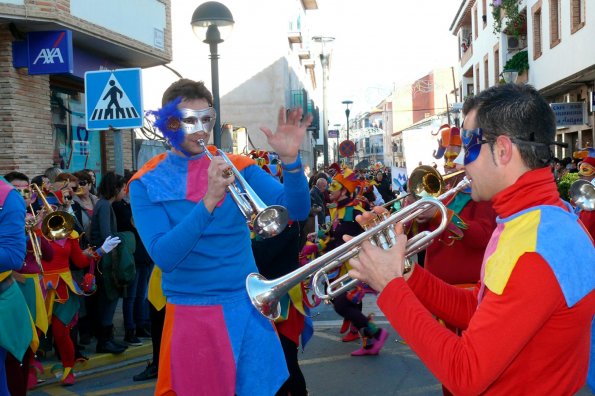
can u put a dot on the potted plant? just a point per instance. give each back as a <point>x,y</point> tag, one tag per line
<point>508,9</point>
<point>519,62</point>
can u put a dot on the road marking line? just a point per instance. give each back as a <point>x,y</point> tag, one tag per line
<point>58,390</point>
<point>122,389</point>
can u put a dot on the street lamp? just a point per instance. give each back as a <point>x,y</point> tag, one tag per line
<point>212,22</point>
<point>347,111</point>
<point>324,62</point>
<point>509,75</point>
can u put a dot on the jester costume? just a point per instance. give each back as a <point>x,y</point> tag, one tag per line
<point>18,333</point>
<point>214,341</point>
<point>528,327</point>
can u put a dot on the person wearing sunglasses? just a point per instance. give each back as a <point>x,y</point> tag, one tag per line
<point>528,326</point>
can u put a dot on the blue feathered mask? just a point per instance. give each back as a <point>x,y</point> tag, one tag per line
<point>168,120</point>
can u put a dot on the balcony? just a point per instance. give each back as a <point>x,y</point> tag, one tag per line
<point>294,37</point>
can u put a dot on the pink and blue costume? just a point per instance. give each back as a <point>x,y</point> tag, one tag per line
<point>214,341</point>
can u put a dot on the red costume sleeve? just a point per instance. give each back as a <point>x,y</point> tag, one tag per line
<point>510,336</point>
<point>77,257</point>
<point>588,220</point>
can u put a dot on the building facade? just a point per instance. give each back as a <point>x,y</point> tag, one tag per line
<point>42,116</point>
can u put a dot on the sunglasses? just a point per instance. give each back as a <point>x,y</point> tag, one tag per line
<point>82,183</point>
<point>472,142</point>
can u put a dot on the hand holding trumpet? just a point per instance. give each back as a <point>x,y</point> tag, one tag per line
<point>374,265</point>
<point>220,177</point>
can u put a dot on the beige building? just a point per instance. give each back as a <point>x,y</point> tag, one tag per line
<point>42,116</point>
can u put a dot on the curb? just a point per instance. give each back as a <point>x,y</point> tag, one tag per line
<point>98,362</point>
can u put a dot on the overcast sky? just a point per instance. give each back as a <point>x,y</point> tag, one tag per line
<point>403,40</point>
<point>379,44</point>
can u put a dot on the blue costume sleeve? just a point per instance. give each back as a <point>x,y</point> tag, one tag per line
<point>292,194</point>
<point>12,233</point>
<point>154,227</point>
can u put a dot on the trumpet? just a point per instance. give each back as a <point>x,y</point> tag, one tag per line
<point>265,294</point>
<point>582,193</point>
<point>267,221</point>
<point>30,225</point>
<point>57,224</point>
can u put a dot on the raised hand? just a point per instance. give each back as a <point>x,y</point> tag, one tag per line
<point>289,135</point>
<point>110,243</point>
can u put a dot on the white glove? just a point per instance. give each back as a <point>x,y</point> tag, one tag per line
<point>109,244</point>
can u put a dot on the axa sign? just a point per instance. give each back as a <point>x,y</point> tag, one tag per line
<point>50,52</point>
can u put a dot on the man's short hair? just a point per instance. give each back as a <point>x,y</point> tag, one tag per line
<point>14,175</point>
<point>521,113</point>
<point>187,89</point>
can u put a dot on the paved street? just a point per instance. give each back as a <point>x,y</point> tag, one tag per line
<point>326,364</point>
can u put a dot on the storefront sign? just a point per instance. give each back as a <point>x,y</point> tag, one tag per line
<point>49,52</point>
<point>568,114</point>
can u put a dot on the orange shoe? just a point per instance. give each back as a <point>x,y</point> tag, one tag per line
<point>351,336</point>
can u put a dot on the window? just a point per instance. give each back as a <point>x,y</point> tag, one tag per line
<point>484,16</point>
<point>496,64</point>
<point>554,23</point>
<point>475,21</point>
<point>486,72</point>
<point>536,12</point>
<point>477,78</point>
<point>577,15</point>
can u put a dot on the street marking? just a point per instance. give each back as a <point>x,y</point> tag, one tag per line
<point>58,390</point>
<point>122,389</point>
<point>337,323</point>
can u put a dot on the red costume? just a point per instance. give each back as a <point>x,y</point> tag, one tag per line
<point>522,337</point>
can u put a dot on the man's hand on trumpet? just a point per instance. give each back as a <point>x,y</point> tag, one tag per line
<point>219,178</point>
<point>289,135</point>
<point>374,265</point>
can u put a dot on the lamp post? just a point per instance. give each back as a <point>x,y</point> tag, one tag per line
<point>324,62</point>
<point>347,111</point>
<point>211,22</point>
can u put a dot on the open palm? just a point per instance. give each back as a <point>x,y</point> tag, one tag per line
<point>289,135</point>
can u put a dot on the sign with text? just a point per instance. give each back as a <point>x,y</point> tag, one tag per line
<point>49,52</point>
<point>333,133</point>
<point>569,114</point>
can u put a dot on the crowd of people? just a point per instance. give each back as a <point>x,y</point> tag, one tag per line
<point>465,305</point>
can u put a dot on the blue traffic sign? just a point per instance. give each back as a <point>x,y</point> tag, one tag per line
<point>113,99</point>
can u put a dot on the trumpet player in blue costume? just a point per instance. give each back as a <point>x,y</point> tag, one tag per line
<point>214,341</point>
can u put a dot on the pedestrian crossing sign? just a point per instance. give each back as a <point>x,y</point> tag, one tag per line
<point>113,99</point>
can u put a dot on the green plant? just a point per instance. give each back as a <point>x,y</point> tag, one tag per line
<point>514,18</point>
<point>564,185</point>
<point>519,62</point>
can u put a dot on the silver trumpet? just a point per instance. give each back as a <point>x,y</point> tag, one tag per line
<point>582,193</point>
<point>265,294</point>
<point>267,221</point>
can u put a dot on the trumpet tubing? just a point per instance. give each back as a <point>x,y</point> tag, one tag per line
<point>267,221</point>
<point>265,294</point>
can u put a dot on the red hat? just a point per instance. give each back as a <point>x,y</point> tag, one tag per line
<point>587,166</point>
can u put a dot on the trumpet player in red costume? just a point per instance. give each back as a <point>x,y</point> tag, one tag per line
<point>61,306</point>
<point>528,326</point>
<point>343,209</point>
<point>455,256</point>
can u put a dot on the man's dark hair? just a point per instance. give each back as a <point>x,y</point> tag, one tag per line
<point>521,113</point>
<point>187,89</point>
<point>110,185</point>
<point>14,175</point>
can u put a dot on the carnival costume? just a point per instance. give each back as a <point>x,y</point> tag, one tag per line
<point>18,333</point>
<point>586,169</point>
<point>205,258</point>
<point>528,328</point>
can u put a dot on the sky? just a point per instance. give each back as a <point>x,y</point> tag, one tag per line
<point>379,45</point>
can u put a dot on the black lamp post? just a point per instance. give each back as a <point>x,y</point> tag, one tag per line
<point>347,111</point>
<point>210,22</point>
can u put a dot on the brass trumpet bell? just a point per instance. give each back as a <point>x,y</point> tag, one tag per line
<point>57,225</point>
<point>582,193</point>
<point>426,181</point>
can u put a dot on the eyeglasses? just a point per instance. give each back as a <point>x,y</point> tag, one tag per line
<point>82,183</point>
<point>472,142</point>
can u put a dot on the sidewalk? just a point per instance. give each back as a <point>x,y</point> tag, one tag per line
<point>52,367</point>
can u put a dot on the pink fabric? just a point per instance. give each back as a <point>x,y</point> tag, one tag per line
<point>197,173</point>
<point>490,249</point>
<point>218,375</point>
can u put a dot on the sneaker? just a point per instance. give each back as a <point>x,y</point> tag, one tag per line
<point>375,348</point>
<point>148,373</point>
<point>67,377</point>
<point>351,336</point>
<point>131,339</point>
<point>141,332</point>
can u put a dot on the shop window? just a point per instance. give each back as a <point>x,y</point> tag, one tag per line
<point>75,148</point>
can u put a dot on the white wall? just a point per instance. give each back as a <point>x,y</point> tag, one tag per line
<point>418,145</point>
